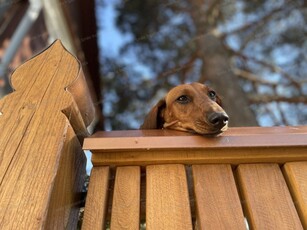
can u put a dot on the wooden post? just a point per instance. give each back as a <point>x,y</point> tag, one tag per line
<point>41,125</point>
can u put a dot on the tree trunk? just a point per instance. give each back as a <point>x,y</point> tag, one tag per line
<point>216,69</point>
<point>216,66</point>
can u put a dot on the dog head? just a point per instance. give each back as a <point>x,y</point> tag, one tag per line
<point>189,107</point>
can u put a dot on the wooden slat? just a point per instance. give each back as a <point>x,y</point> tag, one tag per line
<point>171,139</point>
<point>217,200</point>
<point>267,198</point>
<point>96,200</point>
<point>167,198</point>
<point>296,175</point>
<point>126,199</point>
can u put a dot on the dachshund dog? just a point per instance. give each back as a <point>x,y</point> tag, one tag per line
<point>189,107</point>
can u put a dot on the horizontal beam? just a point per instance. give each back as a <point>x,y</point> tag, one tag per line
<point>237,145</point>
<point>219,156</point>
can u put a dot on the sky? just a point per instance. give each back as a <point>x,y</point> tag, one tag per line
<point>110,39</point>
<point>109,44</point>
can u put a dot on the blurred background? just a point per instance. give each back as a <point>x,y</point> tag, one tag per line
<point>253,53</point>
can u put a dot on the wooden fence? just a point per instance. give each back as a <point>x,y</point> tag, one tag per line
<point>160,179</point>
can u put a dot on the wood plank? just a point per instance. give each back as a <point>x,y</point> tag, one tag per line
<point>266,197</point>
<point>126,199</point>
<point>296,175</point>
<point>96,200</point>
<point>33,134</point>
<point>217,200</point>
<point>246,131</point>
<point>170,139</point>
<point>167,198</point>
<point>66,197</point>
<point>143,147</point>
<point>235,156</point>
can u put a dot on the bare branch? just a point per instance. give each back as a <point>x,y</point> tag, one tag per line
<point>271,66</point>
<point>260,99</point>
<point>185,67</point>
<point>272,115</point>
<point>252,77</point>
<point>282,115</point>
<point>261,21</point>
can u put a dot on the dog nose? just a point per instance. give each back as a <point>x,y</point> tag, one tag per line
<point>218,120</point>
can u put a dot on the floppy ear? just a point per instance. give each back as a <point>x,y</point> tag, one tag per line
<point>154,119</point>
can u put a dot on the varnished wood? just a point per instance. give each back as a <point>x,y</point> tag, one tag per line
<point>97,200</point>
<point>267,200</point>
<point>296,175</point>
<point>170,139</point>
<point>35,132</point>
<point>233,156</point>
<point>167,198</point>
<point>236,146</point>
<point>63,211</point>
<point>217,200</point>
<point>126,199</point>
<point>231,131</point>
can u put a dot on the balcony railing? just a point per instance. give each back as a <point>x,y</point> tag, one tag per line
<point>160,179</point>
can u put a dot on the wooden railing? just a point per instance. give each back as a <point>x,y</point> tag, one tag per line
<point>160,179</point>
<point>175,180</point>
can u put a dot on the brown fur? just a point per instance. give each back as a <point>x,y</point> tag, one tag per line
<point>189,107</point>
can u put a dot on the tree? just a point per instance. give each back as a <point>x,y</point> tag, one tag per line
<point>251,52</point>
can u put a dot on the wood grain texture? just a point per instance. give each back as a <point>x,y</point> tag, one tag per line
<point>217,200</point>
<point>183,155</point>
<point>296,175</point>
<point>126,199</point>
<point>167,198</point>
<point>66,198</point>
<point>236,146</point>
<point>96,200</point>
<point>170,139</point>
<point>266,197</point>
<point>34,132</point>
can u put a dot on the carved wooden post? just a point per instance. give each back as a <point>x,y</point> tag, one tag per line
<point>41,125</point>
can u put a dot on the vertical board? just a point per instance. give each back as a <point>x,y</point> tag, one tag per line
<point>217,200</point>
<point>296,175</point>
<point>65,199</point>
<point>267,198</point>
<point>167,198</point>
<point>126,199</point>
<point>96,200</point>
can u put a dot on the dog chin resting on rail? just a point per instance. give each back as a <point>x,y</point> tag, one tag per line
<point>189,107</point>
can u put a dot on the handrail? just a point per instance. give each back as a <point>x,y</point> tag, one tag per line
<point>237,145</point>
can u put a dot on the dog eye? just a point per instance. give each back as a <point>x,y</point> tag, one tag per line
<point>183,99</point>
<point>212,94</point>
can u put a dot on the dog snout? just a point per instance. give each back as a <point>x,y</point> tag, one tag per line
<point>218,120</point>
